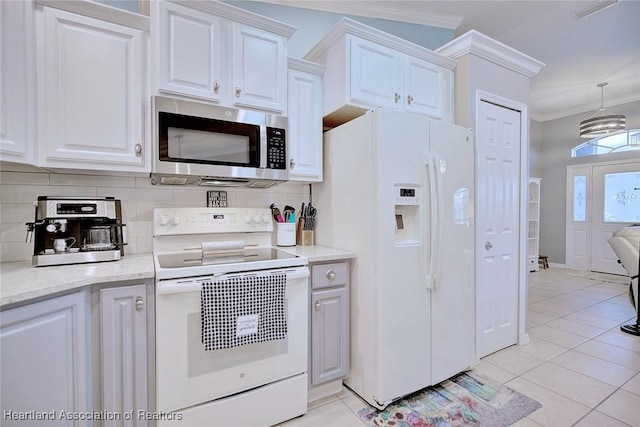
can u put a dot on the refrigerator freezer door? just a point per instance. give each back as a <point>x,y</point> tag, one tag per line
<point>452,299</point>
<point>402,299</point>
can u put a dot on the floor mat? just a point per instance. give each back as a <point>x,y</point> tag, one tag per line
<point>468,399</point>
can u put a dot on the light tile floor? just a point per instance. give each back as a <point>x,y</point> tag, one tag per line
<point>579,365</point>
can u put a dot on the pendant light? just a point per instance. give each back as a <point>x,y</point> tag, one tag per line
<point>600,124</point>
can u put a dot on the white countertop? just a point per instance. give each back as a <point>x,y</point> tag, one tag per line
<point>318,253</point>
<point>20,281</point>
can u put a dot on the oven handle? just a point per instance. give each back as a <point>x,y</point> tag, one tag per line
<point>194,285</point>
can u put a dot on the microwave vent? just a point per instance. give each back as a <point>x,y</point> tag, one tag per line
<point>173,180</point>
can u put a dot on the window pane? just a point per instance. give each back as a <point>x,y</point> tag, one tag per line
<point>580,198</point>
<point>621,199</point>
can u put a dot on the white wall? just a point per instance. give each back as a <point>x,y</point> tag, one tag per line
<point>559,136</point>
<point>19,191</point>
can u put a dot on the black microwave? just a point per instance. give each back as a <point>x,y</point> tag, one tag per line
<point>204,144</point>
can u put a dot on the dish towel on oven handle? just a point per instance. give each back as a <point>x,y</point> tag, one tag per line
<point>242,310</point>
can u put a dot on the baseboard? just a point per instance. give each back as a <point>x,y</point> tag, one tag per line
<point>557,265</point>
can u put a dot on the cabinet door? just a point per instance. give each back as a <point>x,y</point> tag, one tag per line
<point>92,93</point>
<point>189,52</point>
<point>43,360</point>
<point>259,69</point>
<point>123,321</point>
<point>17,82</point>
<point>424,83</point>
<point>375,75</point>
<point>329,335</point>
<point>305,126</point>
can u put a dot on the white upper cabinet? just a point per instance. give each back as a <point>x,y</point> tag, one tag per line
<point>425,87</point>
<point>369,68</point>
<point>189,52</point>
<point>259,69</point>
<point>220,53</point>
<point>304,135</point>
<point>91,97</point>
<point>17,82</point>
<point>376,76</point>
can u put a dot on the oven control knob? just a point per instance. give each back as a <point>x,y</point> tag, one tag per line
<point>256,218</point>
<point>175,220</point>
<point>163,220</point>
<point>266,218</point>
<point>247,219</point>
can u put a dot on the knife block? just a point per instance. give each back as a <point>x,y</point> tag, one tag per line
<point>307,238</point>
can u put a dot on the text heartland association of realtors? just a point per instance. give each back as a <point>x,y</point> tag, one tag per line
<point>8,414</point>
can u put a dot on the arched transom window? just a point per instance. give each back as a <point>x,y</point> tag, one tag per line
<point>624,141</point>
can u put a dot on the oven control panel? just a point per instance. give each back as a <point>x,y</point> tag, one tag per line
<point>176,221</point>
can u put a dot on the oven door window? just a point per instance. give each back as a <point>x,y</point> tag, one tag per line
<point>208,141</point>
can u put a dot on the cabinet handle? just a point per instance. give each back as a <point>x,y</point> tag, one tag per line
<point>292,164</point>
<point>238,91</point>
<point>139,303</point>
<point>138,149</point>
<point>409,99</point>
<point>397,97</point>
<point>318,305</point>
<point>488,246</point>
<point>216,87</point>
<point>330,275</point>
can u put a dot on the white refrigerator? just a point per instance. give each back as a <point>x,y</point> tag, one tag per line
<point>398,191</point>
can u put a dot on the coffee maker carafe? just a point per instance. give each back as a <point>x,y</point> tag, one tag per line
<point>70,230</point>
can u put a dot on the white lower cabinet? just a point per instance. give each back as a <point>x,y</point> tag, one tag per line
<point>78,354</point>
<point>44,363</point>
<point>123,340</point>
<point>329,311</point>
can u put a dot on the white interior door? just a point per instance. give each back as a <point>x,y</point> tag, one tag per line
<point>616,203</point>
<point>497,227</point>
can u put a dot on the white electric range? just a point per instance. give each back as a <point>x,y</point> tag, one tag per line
<point>257,384</point>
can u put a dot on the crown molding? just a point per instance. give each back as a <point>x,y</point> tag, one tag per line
<point>306,66</point>
<point>349,26</point>
<point>233,13</point>
<point>480,45</point>
<point>613,102</point>
<point>374,9</point>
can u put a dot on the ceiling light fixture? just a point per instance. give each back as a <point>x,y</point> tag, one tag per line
<point>600,124</point>
<point>594,8</point>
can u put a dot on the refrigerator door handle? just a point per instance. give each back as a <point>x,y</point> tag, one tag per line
<point>436,256</point>
<point>429,263</point>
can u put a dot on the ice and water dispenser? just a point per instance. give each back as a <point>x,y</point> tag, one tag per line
<point>407,214</point>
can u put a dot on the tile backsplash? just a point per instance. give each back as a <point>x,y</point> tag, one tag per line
<point>19,191</point>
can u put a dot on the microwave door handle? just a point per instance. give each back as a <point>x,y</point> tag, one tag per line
<point>263,147</point>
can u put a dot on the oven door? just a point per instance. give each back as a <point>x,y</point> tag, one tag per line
<point>188,375</point>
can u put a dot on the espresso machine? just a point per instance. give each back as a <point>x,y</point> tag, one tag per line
<point>72,230</point>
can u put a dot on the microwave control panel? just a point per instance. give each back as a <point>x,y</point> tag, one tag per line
<point>276,152</point>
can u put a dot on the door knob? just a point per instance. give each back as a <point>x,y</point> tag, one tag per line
<point>139,303</point>
<point>397,97</point>
<point>317,305</point>
<point>488,246</point>
<point>216,87</point>
<point>292,164</point>
<point>238,91</point>
<point>331,275</point>
<point>138,149</point>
